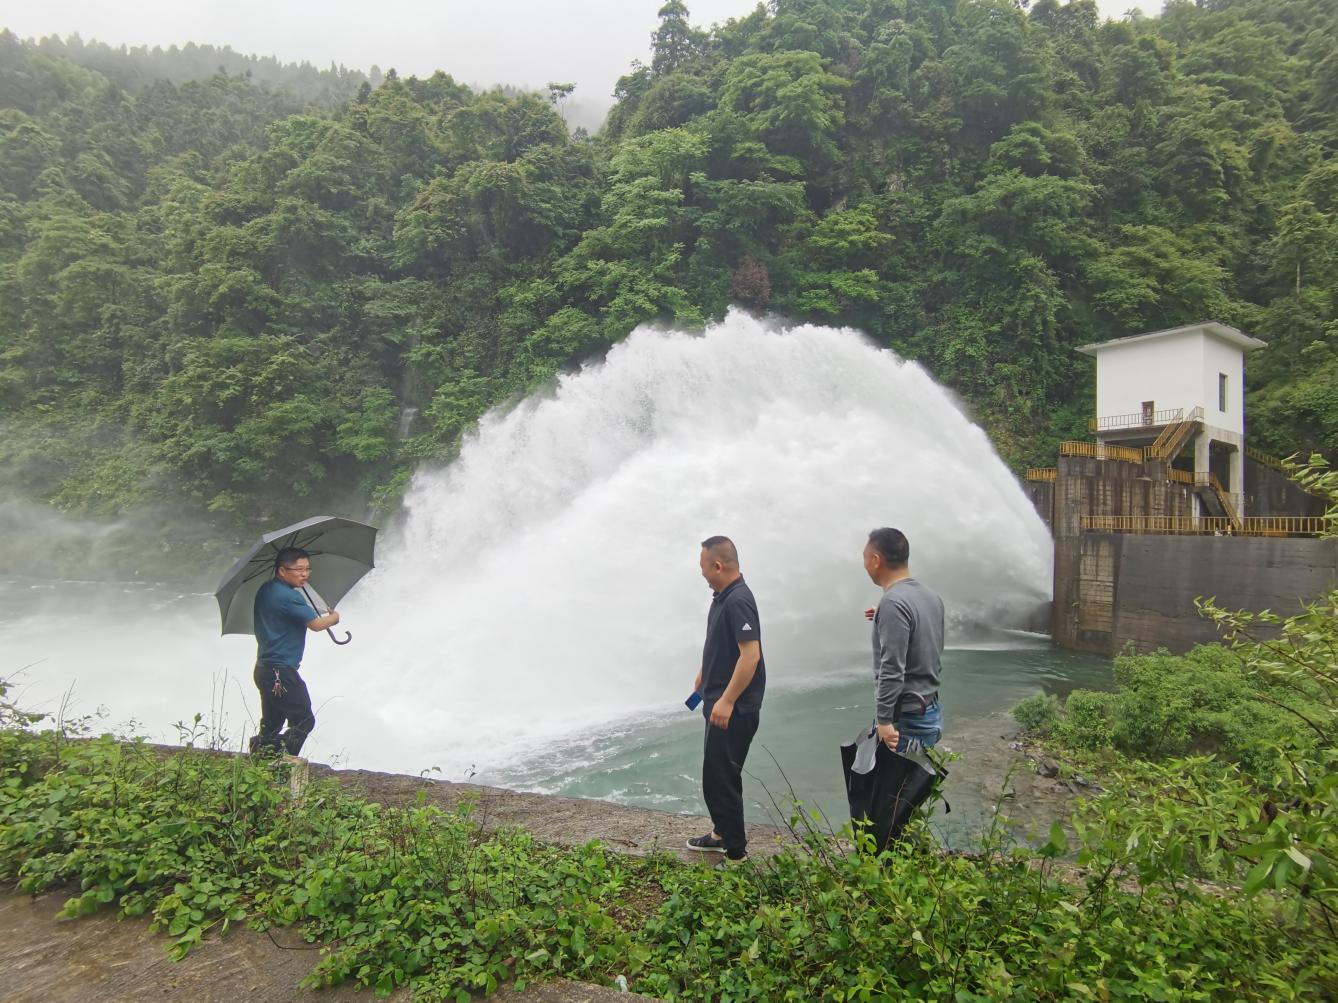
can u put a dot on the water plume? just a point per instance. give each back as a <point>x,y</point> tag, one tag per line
<point>545,584</point>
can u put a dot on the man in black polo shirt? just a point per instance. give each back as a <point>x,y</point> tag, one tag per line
<point>732,678</point>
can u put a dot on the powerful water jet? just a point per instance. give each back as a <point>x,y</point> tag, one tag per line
<point>545,583</point>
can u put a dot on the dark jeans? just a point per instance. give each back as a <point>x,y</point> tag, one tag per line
<point>293,705</point>
<point>723,755</point>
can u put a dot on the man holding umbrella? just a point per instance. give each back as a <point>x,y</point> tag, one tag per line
<point>283,615</point>
<point>268,593</point>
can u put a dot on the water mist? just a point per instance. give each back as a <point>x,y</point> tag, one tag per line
<point>545,584</point>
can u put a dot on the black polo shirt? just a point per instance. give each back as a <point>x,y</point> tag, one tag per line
<point>732,618</point>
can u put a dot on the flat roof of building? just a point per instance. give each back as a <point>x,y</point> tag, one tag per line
<point>1223,332</point>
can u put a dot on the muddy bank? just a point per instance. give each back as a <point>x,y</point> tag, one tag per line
<point>100,959</point>
<point>551,818</point>
<point>1029,788</point>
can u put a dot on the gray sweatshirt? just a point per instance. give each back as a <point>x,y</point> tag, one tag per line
<point>907,644</point>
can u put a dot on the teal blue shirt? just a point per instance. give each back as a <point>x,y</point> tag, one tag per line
<point>281,618</point>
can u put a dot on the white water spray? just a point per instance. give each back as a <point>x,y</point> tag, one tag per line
<point>546,583</point>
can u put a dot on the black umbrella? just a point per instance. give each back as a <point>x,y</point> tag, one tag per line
<point>884,787</point>
<point>341,553</point>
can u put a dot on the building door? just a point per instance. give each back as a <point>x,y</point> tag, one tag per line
<point>1149,412</point>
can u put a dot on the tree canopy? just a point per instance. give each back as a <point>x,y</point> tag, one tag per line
<point>244,287</point>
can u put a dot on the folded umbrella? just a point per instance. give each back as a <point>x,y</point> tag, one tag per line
<point>884,787</point>
<point>341,550</point>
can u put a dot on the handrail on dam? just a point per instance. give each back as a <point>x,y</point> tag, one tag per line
<point>1100,451</point>
<point>1263,525</point>
<point>1283,466</point>
<point>1267,459</point>
<point>1042,474</point>
<point>1139,419</point>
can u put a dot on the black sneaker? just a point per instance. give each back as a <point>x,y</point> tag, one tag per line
<point>707,844</point>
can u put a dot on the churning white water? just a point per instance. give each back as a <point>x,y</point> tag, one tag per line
<point>545,584</point>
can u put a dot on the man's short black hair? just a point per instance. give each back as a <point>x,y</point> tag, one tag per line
<point>285,557</point>
<point>722,549</point>
<point>893,545</point>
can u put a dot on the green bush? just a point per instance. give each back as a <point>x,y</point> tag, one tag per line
<point>1225,762</point>
<point>1204,702</point>
<point>1087,721</point>
<point>1038,713</point>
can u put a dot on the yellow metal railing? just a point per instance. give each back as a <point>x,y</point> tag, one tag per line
<point>1154,524</point>
<point>1205,480</point>
<point>1284,525</point>
<point>1114,422</point>
<point>1223,497</point>
<point>1166,447</point>
<point>1267,459</point>
<point>1267,525</point>
<point>1280,465</point>
<point>1100,451</point>
<point>1173,437</point>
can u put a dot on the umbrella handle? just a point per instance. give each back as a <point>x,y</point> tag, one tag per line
<point>347,635</point>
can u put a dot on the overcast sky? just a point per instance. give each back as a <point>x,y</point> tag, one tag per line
<point>522,42</point>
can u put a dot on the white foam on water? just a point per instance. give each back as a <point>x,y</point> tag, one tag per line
<point>545,584</point>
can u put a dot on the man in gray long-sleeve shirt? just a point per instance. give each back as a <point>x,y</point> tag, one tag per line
<point>907,645</point>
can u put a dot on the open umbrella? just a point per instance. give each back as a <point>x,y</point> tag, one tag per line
<point>341,552</point>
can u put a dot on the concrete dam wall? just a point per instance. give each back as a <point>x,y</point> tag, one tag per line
<point>1139,590</point>
<point>1113,590</point>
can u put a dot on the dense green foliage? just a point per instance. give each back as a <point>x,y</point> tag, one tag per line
<point>210,294</point>
<point>1204,702</point>
<point>34,83</point>
<point>413,894</point>
<point>1225,760</point>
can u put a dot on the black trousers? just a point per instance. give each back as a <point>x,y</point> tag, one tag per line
<point>723,755</point>
<point>291,703</point>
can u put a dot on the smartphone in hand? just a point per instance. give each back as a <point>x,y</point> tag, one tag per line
<point>692,701</point>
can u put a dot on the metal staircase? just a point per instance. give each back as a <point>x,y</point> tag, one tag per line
<point>1216,501</point>
<point>1174,437</point>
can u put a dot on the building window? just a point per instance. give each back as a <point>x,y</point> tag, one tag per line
<point>1221,392</point>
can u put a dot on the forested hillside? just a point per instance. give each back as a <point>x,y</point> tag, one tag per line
<point>33,80</point>
<point>233,295</point>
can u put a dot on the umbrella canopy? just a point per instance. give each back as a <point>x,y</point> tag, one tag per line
<point>341,553</point>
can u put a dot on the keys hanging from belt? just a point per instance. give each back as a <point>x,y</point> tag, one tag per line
<point>277,689</point>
